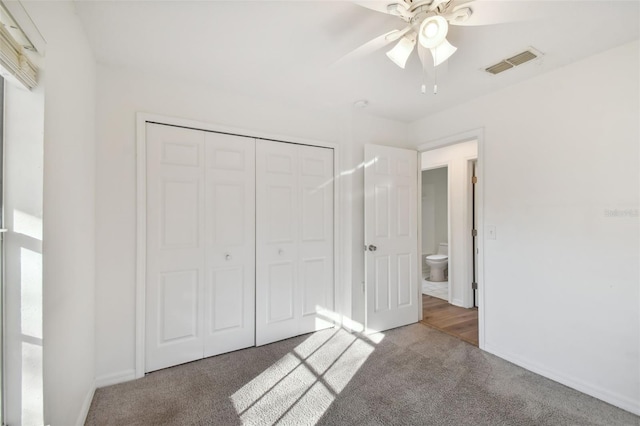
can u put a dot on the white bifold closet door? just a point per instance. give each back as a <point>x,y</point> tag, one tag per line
<point>200,276</point>
<point>294,240</point>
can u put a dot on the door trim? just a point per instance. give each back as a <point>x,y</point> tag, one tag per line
<point>478,135</point>
<point>142,119</point>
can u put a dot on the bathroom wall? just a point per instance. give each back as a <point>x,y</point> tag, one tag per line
<point>456,158</point>
<point>435,219</point>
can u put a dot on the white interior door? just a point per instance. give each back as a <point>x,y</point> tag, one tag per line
<point>294,240</point>
<point>200,245</point>
<point>229,309</point>
<point>391,177</point>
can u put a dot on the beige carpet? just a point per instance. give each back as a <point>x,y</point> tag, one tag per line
<point>412,375</point>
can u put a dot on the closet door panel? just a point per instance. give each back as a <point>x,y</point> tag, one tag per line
<point>226,299</point>
<point>315,296</point>
<point>280,292</point>
<point>175,247</point>
<point>316,275</point>
<point>230,242</point>
<point>294,244</point>
<point>277,207</point>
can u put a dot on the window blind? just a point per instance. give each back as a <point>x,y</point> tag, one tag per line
<point>13,58</point>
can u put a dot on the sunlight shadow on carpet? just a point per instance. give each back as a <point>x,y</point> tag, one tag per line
<point>301,386</point>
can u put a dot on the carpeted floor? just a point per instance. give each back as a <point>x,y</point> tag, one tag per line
<point>412,375</point>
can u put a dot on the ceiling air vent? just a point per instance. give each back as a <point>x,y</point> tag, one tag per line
<point>513,61</point>
<point>499,67</point>
<point>521,58</point>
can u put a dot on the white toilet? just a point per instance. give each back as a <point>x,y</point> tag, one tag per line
<point>438,262</point>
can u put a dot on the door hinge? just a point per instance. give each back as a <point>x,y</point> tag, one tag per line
<point>474,179</point>
<point>474,232</point>
<point>474,286</point>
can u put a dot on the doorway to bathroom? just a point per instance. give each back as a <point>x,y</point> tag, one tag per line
<point>450,216</point>
<point>435,233</point>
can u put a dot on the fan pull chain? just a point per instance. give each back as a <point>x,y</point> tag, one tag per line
<point>435,81</point>
<point>423,88</point>
<point>435,73</point>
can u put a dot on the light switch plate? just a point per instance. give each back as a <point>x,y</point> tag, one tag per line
<point>491,232</point>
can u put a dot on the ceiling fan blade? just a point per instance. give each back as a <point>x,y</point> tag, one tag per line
<point>396,34</point>
<point>490,12</point>
<point>389,7</point>
<point>378,6</point>
<point>442,52</point>
<point>371,46</point>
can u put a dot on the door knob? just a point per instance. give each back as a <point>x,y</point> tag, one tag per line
<point>372,247</point>
<point>280,252</point>
<point>227,256</point>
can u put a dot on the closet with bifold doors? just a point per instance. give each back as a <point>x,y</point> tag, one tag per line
<point>239,242</point>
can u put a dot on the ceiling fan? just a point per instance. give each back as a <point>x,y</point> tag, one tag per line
<point>427,25</point>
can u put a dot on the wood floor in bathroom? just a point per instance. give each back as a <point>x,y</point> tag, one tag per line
<point>454,320</point>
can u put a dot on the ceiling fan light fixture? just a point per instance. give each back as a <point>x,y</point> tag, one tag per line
<point>442,52</point>
<point>433,31</point>
<point>401,51</point>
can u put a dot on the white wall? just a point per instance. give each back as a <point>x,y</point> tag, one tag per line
<point>456,158</point>
<point>561,280</point>
<point>121,94</point>
<point>69,213</point>
<point>435,216</point>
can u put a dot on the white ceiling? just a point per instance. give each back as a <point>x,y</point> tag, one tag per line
<point>284,50</point>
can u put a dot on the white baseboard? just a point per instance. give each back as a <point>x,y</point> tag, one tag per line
<point>113,379</point>
<point>621,401</point>
<point>458,302</point>
<point>84,410</point>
